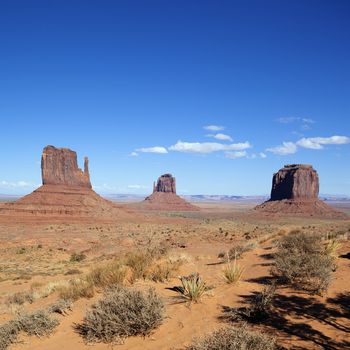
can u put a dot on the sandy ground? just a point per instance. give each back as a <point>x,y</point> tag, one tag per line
<point>38,252</point>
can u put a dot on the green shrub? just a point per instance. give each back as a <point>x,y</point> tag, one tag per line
<point>233,272</point>
<point>122,313</point>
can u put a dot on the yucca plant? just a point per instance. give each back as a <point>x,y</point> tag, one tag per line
<point>331,249</point>
<point>192,287</point>
<point>233,272</point>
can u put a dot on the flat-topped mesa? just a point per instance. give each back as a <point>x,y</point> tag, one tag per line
<point>165,183</point>
<point>295,181</point>
<point>59,166</point>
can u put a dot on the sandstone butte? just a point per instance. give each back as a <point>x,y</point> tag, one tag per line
<point>164,197</point>
<point>66,191</point>
<point>294,191</point>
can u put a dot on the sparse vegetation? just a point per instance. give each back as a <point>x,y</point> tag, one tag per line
<point>77,257</point>
<point>233,272</point>
<point>300,261</point>
<point>107,275</point>
<point>38,323</point>
<point>238,250</point>
<point>229,338</point>
<point>259,307</point>
<point>76,289</point>
<point>20,298</point>
<point>192,287</point>
<point>122,313</point>
<point>61,307</point>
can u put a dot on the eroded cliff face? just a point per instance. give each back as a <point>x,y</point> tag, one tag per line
<point>165,183</point>
<point>295,181</point>
<point>59,166</point>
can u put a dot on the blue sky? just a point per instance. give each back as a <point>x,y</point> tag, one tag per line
<point>219,93</point>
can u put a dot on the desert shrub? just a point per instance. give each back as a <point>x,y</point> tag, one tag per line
<point>20,298</point>
<point>331,249</point>
<point>107,275</point>
<point>122,313</point>
<point>300,261</point>
<point>163,271</point>
<point>76,289</point>
<point>237,251</point>
<point>38,323</point>
<point>229,338</point>
<point>61,307</point>
<point>259,307</point>
<point>73,272</point>
<point>8,334</point>
<point>77,257</point>
<point>233,272</point>
<point>192,287</point>
<point>139,262</point>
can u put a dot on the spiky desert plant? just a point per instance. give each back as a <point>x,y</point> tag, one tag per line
<point>331,249</point>
<point>233,272</point>
<point>192,287</point>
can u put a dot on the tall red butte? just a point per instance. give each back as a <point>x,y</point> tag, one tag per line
<point>294,191</point>
<point>164,197</point>
<point>66,191</point>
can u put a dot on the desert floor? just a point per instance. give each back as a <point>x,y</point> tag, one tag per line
<point>35,254</point>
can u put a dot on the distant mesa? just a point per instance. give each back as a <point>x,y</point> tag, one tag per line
<point>66,191</point>
<point>164,197</point>
<point>295,190</point>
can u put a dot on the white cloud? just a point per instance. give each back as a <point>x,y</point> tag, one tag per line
<point>207,147</point>
<point>262,155</point>
<point>221,137</point>
<point>284,149</point>
<point>318,142</point>
<point>134,154</point>
<point>18,184</point>
<point>236,154</point>
<point>214,127</point>
<point>155,149</point>
<point>309,143</point>
<point>137,187</point>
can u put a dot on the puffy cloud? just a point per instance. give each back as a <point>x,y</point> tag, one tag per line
<point>284,149</point>
<point>134,154</point>
<point>318,142</point>
<point>155,149</point>
<point>262,155</point>
<point>221,137</point>
<point>208,147</point>
<point>236,154</point>
<point>214,127</point>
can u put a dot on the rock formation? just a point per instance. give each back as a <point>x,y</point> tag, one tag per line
<point>294,191</point>
<point>164,197</point>
<point>59,166</point>
<point>66,192</point>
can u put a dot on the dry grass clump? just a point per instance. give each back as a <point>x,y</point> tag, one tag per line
<point>192,287</point>
<point>229,338</point>
<point>238,250</point>
<point>61,307</point>
<point>259,308</point>
<point>76,289</point>
<point>107,275</point>
<point>164,270</point>
<point>20,298</point>
<point>38,323</point>
<point>8,334</point>
<point>233,272</point>
<point>77,257</point>
<point>302,262</point>
<point>122,313</point>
